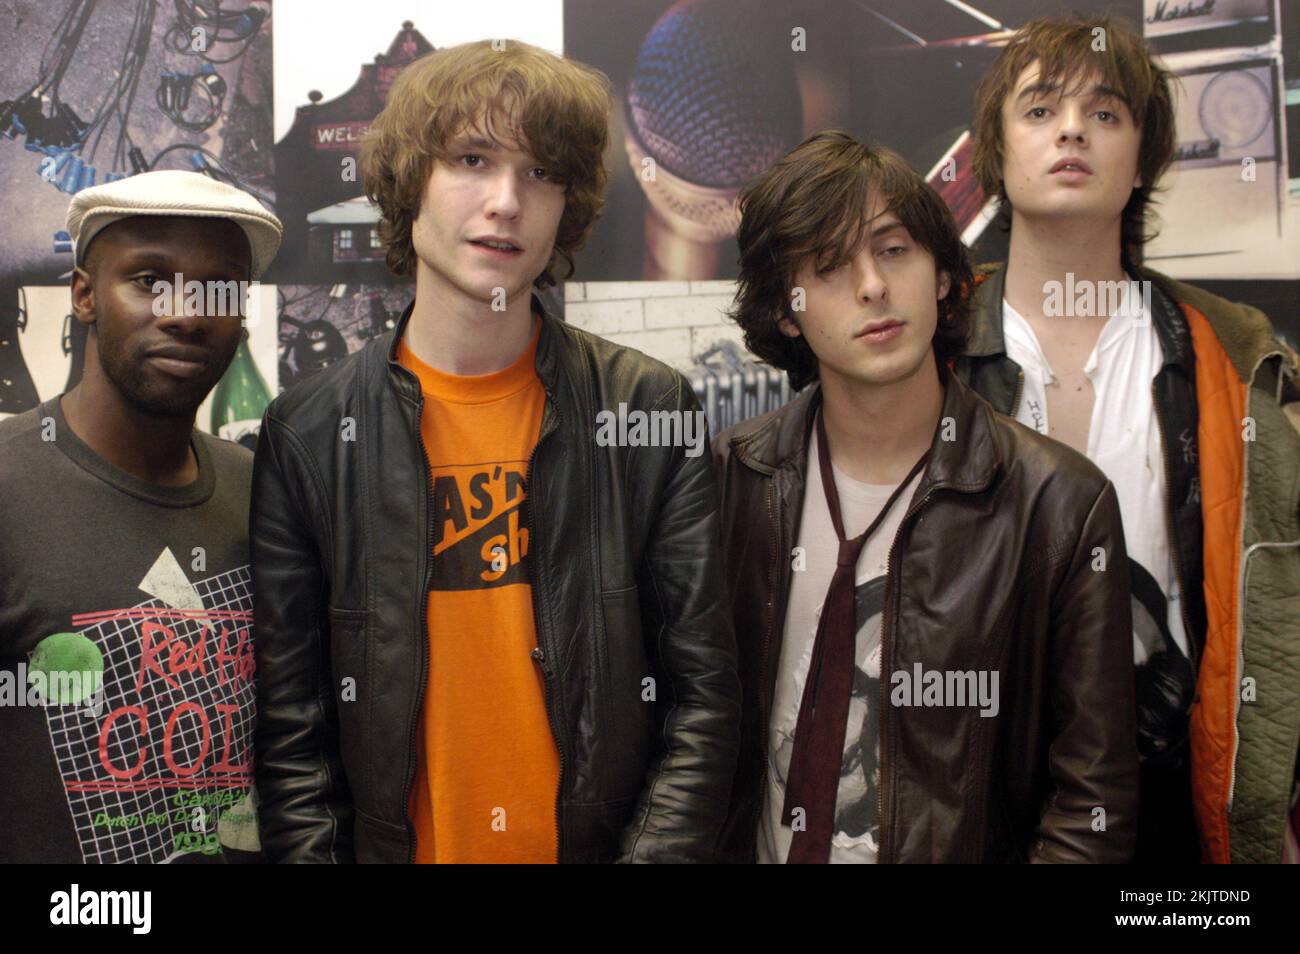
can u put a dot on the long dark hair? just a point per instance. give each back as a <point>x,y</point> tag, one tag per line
<point>812,204</point>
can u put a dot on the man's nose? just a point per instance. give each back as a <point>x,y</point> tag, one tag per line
<point>871,280</point>
<point>1072,126</point>
<point>503,200</point>
<point>185,308</point>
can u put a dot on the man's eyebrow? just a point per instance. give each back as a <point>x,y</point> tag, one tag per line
<point>1109,92</point>
<point>887,227</point>
<point>476,142</point>
<point>141,257</point>
<point>487,145</point>
<point>1037,89</point>
<point>151,257</point>
<point>1098,91</point>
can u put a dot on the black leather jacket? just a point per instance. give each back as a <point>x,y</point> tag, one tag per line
<point>993,567</point>
<point>626,585</point>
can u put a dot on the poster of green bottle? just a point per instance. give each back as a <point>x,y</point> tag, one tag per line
<point>233,410</point>
<point>239,399</point>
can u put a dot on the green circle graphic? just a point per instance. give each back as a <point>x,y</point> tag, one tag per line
<point>71,667</point>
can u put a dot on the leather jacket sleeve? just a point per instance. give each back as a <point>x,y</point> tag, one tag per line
<point>689,638</point>
<point>304,805</point>
<point>1091,813</point>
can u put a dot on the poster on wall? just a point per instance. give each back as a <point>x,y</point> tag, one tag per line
<point>330,228</point>
<point>92,91</point>
<point>707,94</point>
<point>710,92</point>
<point>1231,207</point>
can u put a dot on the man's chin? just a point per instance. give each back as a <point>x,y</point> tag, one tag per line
<point>887,373</point>
<point>1071,203</point>
<point>493,297</point>
<point>181,400</point>
<point>166,405</point>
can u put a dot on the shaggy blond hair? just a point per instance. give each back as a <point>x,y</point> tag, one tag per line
<point>556,109</point>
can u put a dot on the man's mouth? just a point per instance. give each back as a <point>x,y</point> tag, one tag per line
<point>503,245</point>
<point>1071,165</point>
<point>878,331</point>
<point>179,361</point>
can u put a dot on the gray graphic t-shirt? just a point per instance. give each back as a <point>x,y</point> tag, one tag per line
<point>126,663</point>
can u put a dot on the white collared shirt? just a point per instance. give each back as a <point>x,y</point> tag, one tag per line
<point>1123,441</point>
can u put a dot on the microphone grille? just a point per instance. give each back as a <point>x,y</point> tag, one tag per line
<point>711,101</point>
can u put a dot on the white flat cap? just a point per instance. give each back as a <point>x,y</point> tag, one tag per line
<point>173,192</point>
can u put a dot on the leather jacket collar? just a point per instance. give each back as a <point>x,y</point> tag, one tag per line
<point>546,362</point>
<point>986,338</point>
<point>967,464</point>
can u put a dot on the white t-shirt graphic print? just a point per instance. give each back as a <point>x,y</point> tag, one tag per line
<point>857,805</point>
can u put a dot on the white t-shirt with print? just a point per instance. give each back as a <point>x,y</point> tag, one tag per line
<point>857,806</point>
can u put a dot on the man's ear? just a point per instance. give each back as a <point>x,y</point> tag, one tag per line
<point>945,282</point>
<point>788,326</point>
<point>83,296</point>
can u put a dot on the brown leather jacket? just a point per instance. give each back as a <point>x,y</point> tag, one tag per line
<point>995,566</point>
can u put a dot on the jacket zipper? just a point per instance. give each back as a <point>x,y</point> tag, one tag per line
<point>1020,389</point>
<point>423,630</point>
<point>538,654</point>
<point>885,626</point>
<point>1169,515</point>
<point>766,653</point>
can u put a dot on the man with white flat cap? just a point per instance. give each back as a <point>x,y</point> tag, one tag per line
<point>126,693</point>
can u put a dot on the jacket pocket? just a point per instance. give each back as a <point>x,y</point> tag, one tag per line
<point>380,842</point>
<point>597,829</point>
<point>630,691</point>
<point>349,687</point>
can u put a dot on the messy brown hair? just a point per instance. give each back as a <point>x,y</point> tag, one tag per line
<point>1063,47</point>
<point>813,205</point>
<point>556,109</point>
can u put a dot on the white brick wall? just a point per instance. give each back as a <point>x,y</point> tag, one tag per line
<point>606,318</point>
<point>613,291</point>
<point>672,321</point>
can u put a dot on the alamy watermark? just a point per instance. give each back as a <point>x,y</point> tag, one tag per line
<point>77,906</point>
<point>36,687</point>
<point>210,298</point>
<point>637,428</point>
<point>1089,299</point>
<point>961,688</point>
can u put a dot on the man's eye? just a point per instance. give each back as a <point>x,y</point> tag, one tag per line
<point>895,250</point>
<point>1037,112</point>
<point>469,156</point>
<point>147,280</point>
<point>541,173</point>
<point>1107,116</point>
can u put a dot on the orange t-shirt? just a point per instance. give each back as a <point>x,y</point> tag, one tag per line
<point>487,768</point>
